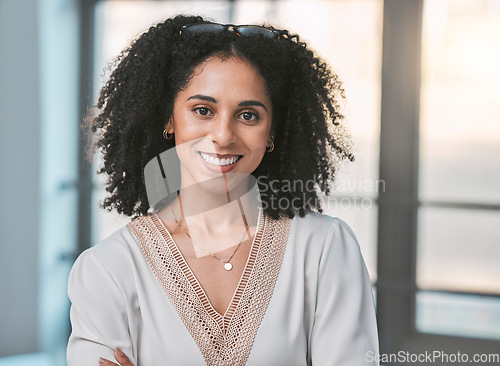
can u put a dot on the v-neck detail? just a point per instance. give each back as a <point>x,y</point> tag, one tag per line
<point>223,339</point>
<point>222,319</point>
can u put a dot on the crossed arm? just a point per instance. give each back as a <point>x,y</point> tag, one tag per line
<point>120,357</point>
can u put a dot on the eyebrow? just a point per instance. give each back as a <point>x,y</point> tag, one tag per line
<point>206,98</point>
<point>251,103</point>
<point>246,103</point>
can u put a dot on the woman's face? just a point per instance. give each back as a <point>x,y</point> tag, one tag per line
<point>222,123</point>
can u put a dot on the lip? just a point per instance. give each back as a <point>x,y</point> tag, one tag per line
<point>217,168</point>
<point>217,155</point>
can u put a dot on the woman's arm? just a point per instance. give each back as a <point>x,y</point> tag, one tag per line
<point>120,357</point>
<point>98,314</point>
<point>344,331</point>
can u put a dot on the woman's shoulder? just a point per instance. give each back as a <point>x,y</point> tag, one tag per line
<point>115,254</point>
<point>327,243</point>
<point>317,232</point>
<point>117,242</point>
<point>122,240</point>
<point>320,223</point>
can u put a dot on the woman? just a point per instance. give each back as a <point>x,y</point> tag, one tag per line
<point>234,264</point>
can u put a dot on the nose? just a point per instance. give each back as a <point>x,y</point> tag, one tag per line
<point>223,130</point>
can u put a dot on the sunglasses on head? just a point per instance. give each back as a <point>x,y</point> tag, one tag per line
<point>240,30</point>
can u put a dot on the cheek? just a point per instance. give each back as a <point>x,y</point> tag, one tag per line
<point>184,128</point>
<point>259,138</point>
<point>258,144</point>
<point>262,139</point>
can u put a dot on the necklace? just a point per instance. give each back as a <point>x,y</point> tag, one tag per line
<point>227,265</point>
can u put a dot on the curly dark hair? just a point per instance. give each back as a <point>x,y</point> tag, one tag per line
<point>137,101</point>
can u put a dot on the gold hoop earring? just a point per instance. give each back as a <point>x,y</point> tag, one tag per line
<point>166,135</point>
<point>270,148</point>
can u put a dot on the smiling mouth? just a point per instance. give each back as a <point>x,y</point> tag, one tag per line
<point>219,160</point>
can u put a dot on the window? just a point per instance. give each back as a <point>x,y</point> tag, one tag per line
<point>459,187</point>
<point>438,287</point>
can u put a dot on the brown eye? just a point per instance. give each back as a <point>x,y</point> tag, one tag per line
<point>203,111</point>
<point>249,116</point>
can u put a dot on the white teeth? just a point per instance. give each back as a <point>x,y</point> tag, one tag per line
<point>216,161</point>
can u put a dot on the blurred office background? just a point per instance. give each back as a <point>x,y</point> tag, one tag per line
<point>421,79</point>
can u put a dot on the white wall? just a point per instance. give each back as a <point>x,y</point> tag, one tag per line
<point>59,109</point>
<point>19,176</point>
<point>39,126</point>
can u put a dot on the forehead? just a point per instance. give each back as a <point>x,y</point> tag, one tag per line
<point>229,77</point>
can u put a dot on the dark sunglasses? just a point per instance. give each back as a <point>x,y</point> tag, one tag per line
<point>240,30</point>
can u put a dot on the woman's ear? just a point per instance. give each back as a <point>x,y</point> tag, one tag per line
<point>169,126</point>
<point>168,132</point>
<point>270,143</point>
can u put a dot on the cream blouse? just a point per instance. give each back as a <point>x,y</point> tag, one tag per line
<point>304,299</point>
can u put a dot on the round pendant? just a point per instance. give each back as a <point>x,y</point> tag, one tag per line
<point>228,266</point>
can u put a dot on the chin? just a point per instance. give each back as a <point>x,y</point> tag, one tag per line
<point>213,186</point>
<point>222,184</point>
